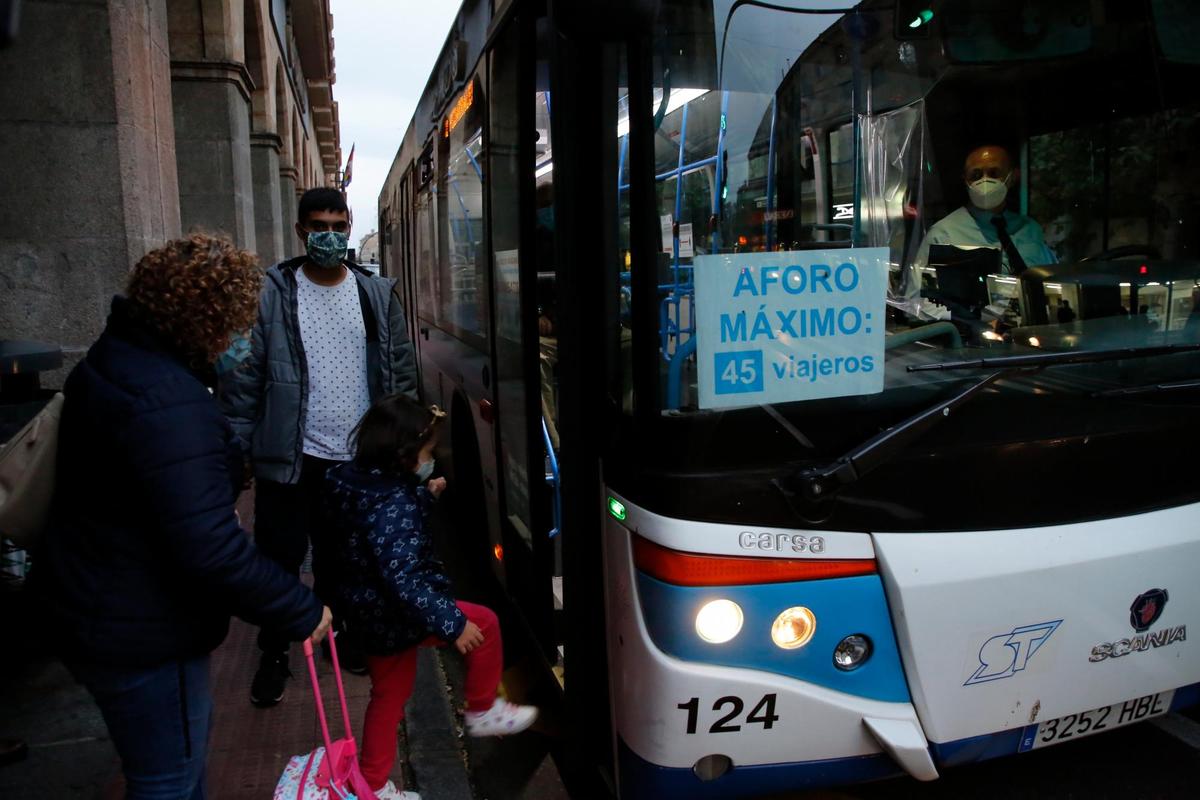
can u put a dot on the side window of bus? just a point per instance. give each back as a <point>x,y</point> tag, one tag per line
<point>425,251</point>
<point>463,266</point>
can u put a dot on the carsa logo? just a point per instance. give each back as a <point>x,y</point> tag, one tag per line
<point>1007,654</point>
<point>1146,609</point>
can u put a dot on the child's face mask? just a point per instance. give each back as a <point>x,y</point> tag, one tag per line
<point>424,470</point>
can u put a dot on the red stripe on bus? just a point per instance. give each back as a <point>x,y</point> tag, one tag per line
<point>697,569</point>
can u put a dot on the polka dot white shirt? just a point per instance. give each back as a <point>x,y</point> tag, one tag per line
<point>335,346</point>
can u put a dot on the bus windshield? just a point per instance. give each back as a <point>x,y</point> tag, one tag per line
<point>846,194</point>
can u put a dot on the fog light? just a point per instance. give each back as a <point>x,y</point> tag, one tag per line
<point>794,628</point>
<point>851,652</point>
<point>719,621</point>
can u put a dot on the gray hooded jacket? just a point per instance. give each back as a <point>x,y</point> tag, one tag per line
<point>266,398</point>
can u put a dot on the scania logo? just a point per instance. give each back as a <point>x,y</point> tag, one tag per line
<point>1146,609</point>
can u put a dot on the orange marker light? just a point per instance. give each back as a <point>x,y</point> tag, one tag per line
<point>499,551</point>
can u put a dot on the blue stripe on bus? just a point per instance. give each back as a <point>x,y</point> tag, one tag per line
<point>842,606</point>
<point>1006,743</point>
<point>1186,697</point>
<point>641,780</point>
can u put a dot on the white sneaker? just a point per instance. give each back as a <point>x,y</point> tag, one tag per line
<point>390,792</point>
<point>501,719</point>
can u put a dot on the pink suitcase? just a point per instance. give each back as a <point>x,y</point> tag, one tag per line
<point>330,772</point>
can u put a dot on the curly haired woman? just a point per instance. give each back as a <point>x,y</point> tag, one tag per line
<point>144,561</point>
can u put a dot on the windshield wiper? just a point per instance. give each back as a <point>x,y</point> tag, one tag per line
<point>818,483</point>
<point>1149,388</point>
<point>1038,360</point>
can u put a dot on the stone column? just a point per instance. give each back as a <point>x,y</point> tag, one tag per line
<point>212,148</point>
<point>290,200</point>
<point>268,212</point>
<point>88,139</point>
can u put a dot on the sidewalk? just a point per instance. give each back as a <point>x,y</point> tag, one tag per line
<point>71,757</point>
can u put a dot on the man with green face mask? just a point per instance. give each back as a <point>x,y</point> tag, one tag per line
<point>330,338</point>
<point>985,221</point>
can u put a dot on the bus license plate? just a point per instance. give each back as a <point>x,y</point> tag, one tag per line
<point>1085,723</point>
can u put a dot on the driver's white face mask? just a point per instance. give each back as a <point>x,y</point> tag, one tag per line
<point>988,193</point>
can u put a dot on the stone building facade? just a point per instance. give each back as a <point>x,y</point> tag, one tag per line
<point>126,122</point>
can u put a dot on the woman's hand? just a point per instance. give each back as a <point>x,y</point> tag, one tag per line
<point>471,638</point>
<point>322,626</point>
<point>436,487</point>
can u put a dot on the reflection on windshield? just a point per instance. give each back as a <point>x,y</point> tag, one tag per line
<point>1028,175</point>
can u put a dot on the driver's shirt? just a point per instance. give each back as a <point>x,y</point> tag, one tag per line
<point>972,227</point>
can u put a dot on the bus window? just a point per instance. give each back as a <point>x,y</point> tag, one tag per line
<point>462,293</point>
<point>841,171</point>
<point>1178,29</point>
<point>993,31</point>
<point>1114,185</point>
<point>840,137</point>
<point>426,250</point>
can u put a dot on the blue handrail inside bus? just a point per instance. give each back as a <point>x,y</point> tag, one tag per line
<point>552,480</point>
<point>681,289</point>
<point>682,353</point>
<point>474,163</point>
<point>466,215</point>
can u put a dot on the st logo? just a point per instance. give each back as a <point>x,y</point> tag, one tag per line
<point>1007,654</point>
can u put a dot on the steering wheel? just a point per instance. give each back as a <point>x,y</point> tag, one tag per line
<point>1124,251</point>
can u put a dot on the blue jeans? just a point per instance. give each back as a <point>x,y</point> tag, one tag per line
<point>159,719</point>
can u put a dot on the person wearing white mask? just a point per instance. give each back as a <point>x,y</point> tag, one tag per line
<point>984,221</point>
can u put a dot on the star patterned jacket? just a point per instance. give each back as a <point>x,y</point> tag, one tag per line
<point>394,592</point>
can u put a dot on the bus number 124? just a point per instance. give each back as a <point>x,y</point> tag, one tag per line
<point>762,714</point>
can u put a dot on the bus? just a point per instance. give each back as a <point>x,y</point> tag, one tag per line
<point>788,486</point>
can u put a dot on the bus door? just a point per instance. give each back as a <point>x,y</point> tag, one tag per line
<point>521,189</point>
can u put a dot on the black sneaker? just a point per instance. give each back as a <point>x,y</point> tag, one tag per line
<point>267,687</point>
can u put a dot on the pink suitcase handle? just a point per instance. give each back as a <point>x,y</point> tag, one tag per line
<point>316,687</point>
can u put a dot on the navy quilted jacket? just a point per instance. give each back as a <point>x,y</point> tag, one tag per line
<point>143,561</point>
<point>394,589</point>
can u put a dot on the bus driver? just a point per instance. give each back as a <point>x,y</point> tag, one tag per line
<point>984,222</point>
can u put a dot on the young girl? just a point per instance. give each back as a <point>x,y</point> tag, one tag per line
<point>394,590</point>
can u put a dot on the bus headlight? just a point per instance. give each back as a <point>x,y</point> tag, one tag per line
<point>851,652</point>
<point>794,628</point>
<point>719,621</point>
